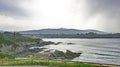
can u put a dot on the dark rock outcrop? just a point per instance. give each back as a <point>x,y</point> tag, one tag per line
<point>57,54</point>
<point>43,43</point>
<point>58,43</point>
<point>71,55</point>
<point>70,43</point>
<point>67,55</point>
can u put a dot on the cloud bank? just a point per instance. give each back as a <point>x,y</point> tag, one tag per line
<point>80,14</point>
<point>109,10</point>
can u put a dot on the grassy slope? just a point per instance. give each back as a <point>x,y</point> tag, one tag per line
<point>11,39</point>
<point>5,55</point>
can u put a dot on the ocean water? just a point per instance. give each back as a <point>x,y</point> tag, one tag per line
<point>105,51</point>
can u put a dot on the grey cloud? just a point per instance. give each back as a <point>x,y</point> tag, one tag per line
<point>11,8</point>
<point>110,9</point>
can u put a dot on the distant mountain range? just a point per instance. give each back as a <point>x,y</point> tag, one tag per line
<point>60,31</point>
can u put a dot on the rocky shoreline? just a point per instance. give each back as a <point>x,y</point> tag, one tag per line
<point>25,49</point>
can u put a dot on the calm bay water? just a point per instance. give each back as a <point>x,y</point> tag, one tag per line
<point>105,51</point>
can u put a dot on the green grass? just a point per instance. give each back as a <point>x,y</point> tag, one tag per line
<point>45,63</point>
<point>10,39</point>
<point>5,55</point>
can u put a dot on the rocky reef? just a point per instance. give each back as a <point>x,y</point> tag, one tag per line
<point>66,55</point>
<point>57,54</point>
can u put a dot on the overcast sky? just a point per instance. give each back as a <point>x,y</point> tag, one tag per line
<point>19,15</point>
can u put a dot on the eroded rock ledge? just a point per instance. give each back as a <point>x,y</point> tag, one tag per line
<point>56,54</point>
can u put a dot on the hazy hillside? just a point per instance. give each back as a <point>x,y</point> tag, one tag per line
<point>60,31</point>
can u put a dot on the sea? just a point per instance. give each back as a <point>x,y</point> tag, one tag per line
<point>104,51</point>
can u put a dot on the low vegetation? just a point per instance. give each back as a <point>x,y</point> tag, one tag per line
<point>5,56</point>
<point>10,39</point>
<point>46,63</point>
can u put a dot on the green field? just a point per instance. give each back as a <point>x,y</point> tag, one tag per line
<point>46,63</point>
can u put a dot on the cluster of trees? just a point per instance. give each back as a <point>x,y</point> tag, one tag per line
<point>85,35</point>
<point>11,33</point>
